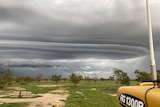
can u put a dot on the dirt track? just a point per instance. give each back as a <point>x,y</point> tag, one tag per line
<point>47,100</point>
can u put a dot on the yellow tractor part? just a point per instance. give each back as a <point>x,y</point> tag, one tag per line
<point>144,95</point>
<point>56,105</point>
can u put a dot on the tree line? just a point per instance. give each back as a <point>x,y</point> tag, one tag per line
<point>122,78</point>
<point>119,76</point>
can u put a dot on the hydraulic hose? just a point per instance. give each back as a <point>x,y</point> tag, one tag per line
<point>147,93</point>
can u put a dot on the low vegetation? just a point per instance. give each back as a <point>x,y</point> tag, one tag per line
<point>84,91</point>
<point>14,105</point>
<point>92,95</point>
<point>85,94</point>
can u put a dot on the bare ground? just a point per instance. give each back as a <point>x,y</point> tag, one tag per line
<point>56,97</point>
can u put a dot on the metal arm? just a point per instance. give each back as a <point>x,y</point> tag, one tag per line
<point>153,63</point>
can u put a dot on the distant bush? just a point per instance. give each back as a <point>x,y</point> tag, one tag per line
<point>23,83</point>
<point>120,77</point>
<point>5,78</point>
<point>2,84</point>
<point>20,94</point>
<point>75,79</point>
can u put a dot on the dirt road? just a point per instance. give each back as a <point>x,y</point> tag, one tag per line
<point>47,100</point>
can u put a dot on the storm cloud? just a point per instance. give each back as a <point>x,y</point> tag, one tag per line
<point>51,31</point>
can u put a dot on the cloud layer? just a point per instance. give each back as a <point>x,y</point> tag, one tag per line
<point>72,30</point>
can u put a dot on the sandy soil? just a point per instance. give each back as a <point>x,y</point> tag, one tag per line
<point>47,100</point>
<point>112,94</point>
<point>49,85</point>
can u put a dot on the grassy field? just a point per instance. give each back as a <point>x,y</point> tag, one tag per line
<point>85,94</point>
<point>90,94</point>
<point>14,105</point>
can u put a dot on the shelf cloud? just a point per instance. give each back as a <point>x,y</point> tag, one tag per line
<point>77,31</point>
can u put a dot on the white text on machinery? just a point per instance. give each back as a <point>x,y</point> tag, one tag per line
<point>131,101</point>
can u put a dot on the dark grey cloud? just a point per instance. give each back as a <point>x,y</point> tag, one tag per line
<point>70,50</point>
<point>69,30</point>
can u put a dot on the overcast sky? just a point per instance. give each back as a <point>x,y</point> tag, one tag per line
<point>89,37</point>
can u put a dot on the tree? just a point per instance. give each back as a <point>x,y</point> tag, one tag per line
<point>19,79</point>
<point>56,78</point>
<point>5,77</point>
<point>142,75</point>
<point>120,77</point>
<point>81,77</point>
<point>27,79</point>
<point>23,79</point>
<point>95,78</point>
<point>158,74</point>
<point>87,78</point>
<point>64,79</point>
<point>111,78</point>
<point>38,77</point>
<point>125,79</point>
<point>102,79</point>
<point>74,79</point>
